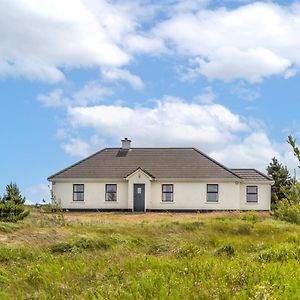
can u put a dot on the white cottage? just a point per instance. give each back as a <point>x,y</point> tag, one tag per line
<point>155,179</point>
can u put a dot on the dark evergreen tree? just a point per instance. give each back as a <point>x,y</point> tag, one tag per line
<point>12,207</point>
<point>282,180</point>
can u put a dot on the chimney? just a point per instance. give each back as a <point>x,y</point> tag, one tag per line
<point>126,143</point>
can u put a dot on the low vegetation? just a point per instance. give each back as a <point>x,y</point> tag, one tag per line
<point>150,256</point>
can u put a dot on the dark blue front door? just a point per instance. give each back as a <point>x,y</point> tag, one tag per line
<point>138,197</point>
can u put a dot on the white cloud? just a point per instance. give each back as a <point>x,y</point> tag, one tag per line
<point>249,42</point>
<point>252,64</point>
<point>76,147</point>
<point>119,74</point>
<point>171,122</point>
<point>91,92</point>
<point>248,93</point>
<point>36,193</point>
<point>254,151</point>
<point>188,5</point>
<point>43,39</point>
<point>207,96</point>
<point>40,39</point>
<point>28,202</point>
<point>213,128</point>
<point>53,99</point>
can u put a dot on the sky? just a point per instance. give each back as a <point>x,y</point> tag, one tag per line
<point>77,76</point>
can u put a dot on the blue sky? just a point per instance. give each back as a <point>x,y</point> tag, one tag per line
<point>77,76</point>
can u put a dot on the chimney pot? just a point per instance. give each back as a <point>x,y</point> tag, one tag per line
<point>126,143</point>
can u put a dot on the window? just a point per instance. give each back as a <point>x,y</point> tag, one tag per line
<point>78,192</point>
<point>167,192</point>
<point>212,193</point>
<point>110,192</point>
<point>252,193</point>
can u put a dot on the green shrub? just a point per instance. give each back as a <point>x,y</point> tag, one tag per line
<point>79,245</point>
<point>289,208</point>
<point>287,211</point>
<point>62,247</point>
<point>14,254</point>
<point>251,217</point>
<point>281,253</point>
<point>227,250</point>
<point>158,248</point>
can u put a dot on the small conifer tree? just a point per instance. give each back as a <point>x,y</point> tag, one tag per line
<point>282,180</point>
<point>12,207</point>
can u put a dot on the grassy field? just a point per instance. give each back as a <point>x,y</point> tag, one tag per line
<point>150,256</point>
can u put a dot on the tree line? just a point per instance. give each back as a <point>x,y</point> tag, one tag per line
<point>285,197</point>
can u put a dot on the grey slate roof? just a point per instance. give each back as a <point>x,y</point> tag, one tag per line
<point>251,175</point>
<point>159,162</point>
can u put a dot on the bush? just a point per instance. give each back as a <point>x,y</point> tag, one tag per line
<point>14,254</point>
<point>251,217</point>
<point>80,244</point>
<point>52,212</point>
<point>289,212</point>
<point>227,250</point>
<point>289,208</point>
<point>280,254</point>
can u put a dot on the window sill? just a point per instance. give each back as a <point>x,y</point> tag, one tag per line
<point>109,202</point>
<point>212,202</point>
<point>167,202</point>
<point>251,203</point>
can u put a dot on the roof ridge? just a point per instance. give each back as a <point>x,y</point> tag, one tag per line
<point>216,162</point>
<point>140,148</point>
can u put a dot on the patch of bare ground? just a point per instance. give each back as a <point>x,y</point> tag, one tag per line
<point>123,217</point>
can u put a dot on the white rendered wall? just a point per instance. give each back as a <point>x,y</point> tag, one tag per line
<point>187,195</point>
<point>263,195</point>
<point>192,195</point>
<point>94,195</point>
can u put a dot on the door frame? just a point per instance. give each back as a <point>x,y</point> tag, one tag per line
<point>144,197</point>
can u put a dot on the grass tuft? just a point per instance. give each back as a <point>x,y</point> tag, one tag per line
<point>80,245</point>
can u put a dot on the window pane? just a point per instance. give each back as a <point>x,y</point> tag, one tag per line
<point>252,189</point>
<point>111,196</point>
<point>111,188</point>
<point>167,197</point>
<point>212,197</point>
<point>251,197</point>
<point>213,188</point>
<point>78,187</point>
<point>78,196</point>
<point>167,188</point>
